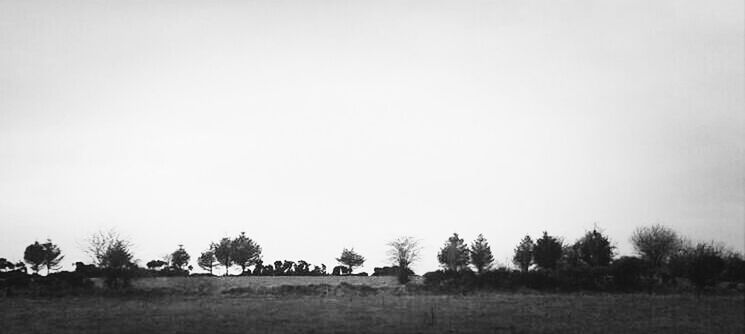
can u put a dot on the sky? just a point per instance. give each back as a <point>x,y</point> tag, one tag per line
<point>315,126</point>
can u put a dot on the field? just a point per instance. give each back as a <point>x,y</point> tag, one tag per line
<point>223,284</point>
<point>374,313</point>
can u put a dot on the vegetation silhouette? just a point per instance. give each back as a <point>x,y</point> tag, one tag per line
<point>663,262</point>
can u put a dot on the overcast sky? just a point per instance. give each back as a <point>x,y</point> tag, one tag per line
<point>318,125</point>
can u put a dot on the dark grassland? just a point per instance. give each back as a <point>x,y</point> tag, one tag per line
<point>380,313</point>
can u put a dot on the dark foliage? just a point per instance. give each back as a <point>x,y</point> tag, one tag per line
<point>702,264</point>
<point>88,270</point>
<point>734,268</point>
<point>245,252</point>
<point>340,270</point>
<point>180,258</point>
<point>480,253</point>
<point>523,257</point>
<point>8,266</point>
<point>594,249</point>
<point>117,266</point>
<point>223,251</point>
<point>390,271</point>
<point>43,255</point>
<point>547,252</point>
<point>453,255</point>
<point>351,259</point>
<point>156,264</point>
<point>630,273</point>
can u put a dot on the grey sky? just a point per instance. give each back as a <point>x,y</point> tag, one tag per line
<point>318,125</point>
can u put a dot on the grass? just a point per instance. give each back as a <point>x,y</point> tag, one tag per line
<point>487,313</point>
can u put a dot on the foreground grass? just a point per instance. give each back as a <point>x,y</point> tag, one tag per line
<point>488,313</point>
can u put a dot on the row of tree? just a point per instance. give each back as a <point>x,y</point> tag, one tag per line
<point>111,257</point>
<point>662,256</point>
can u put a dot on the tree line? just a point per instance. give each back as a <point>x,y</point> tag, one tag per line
<point>662,259</point>
<point>112,259</point>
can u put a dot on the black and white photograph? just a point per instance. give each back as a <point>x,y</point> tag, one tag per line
<point>372,166</point>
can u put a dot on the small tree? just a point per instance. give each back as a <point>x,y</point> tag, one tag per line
<point>547,251</point>
<point>117,264</point>
<point>594,249</point>
<point>350,259</point>
<point>52,256</point>
<point>100,242</point>
<point>224,253</point>
<point>523,257</point>
<point>454,254</point>
<point>403,252</point>
<point>481,256</point>
<point>35,256</point>
<point>207,260</point>
<point>117,256</point>
<point>245,252</point>
<point>656,244</point>
<point>180,258</point>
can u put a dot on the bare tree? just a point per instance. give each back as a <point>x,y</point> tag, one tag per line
<point>403,252</point>
<point>656,244</point>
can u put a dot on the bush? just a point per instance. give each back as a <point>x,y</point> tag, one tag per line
<point>87,270</point>
<point>537,279</point>
<point>118,278</point>
<point>734,269</point>
<point>629,273</point>
<point>501,279</point>
<point>64,280</point>
<point>583,278</point>
<point>450,280</point>
<point>14,279</point>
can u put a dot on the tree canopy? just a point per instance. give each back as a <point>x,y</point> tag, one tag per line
<point>523,257</point>
<point>481,256</point>
<point>180,258</point>
<point>594,249</point>
<point>46,255</point>
<point>454,254</point>
<point>245,252</point>
<point>547,251</point>
<point>351,259</point>
<point>656,244</point>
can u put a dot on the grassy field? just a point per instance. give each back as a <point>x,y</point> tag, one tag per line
<point>487,313</point>
<point>220,284</point>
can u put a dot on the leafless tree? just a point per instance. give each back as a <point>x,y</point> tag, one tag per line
<point>403,252</point>
<point>656,244</point>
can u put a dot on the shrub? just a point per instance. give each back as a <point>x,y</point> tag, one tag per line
<point>629,272</point>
